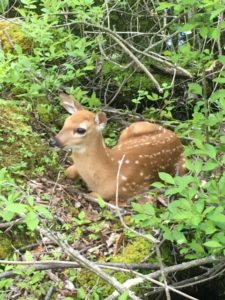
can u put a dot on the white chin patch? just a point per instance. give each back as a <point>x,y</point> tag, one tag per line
<point>76,148</point>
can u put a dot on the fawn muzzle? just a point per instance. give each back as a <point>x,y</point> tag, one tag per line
<point>54,142</point>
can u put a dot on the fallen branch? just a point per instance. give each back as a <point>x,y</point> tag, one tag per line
<point>207,276</point>
<point>121,43</point>
<point>183,266</point>
<point>54,264</point>
<point>11,223</point>
<point>89,265</point>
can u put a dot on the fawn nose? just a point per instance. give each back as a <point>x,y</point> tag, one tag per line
<point>54,142</point>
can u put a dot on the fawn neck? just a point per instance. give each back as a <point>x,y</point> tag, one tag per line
<point>94,163</point>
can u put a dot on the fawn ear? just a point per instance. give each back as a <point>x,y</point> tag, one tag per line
<point>69,103</point>
<point>100,120</point>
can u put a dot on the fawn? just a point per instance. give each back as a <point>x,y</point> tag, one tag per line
<point>146,149</point>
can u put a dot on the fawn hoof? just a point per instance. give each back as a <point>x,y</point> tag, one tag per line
<point>71,172</point>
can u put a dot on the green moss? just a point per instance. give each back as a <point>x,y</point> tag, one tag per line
<point>15,239</point>
<point>134,252</point>
<point>22,150</point>
<point>10,35</point>
<point>5,246</point>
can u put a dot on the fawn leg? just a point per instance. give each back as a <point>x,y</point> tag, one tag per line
<point>180,167</point>
<point>71,172</point>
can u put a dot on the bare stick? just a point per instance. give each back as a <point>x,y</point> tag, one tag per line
<point>11,223</point>
<point>168,297</point>
<point>198,262</point>
<point>58,264</point>
<point>88,264</point>
<point>120,42</point>
<point>138,63</point>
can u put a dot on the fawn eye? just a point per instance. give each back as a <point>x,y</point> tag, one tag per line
<point>80,130</point>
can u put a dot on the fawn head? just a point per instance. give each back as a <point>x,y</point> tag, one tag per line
<point>80,129</point>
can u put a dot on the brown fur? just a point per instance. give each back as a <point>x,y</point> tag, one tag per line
<point>146,149</point>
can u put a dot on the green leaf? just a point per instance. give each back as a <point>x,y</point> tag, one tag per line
<point>183,204</point>
<point>210,150</point>
<point>158,185</point>
<point>7,215</point>
<point>81,215</point>
<point>101,202</point>
<point>222,184</point>
<point>94,101</point>
<point>166,177</point>
<point>197,247</point>
<point>44,212</point>
<point>220,237</point>
<point>219,80</point>
<point>187,27</point>
<point>182,215</point>
<point>30,199</point>
<point>195,88</point>
<point>16,207</point>
<point>149,209</point>
<point>215,34</point>
<point>137,207</point>
<point>164,5</point>
<point>31,220</point>
<point>140,217</point>
<point>216,12</point>
<point>222,59</point>
<point>203,32</point>
<point>199,206</point>
<point>179,237</point>
<point>210,165</point>
<point>217,218</point>
<point>172,191</point>
<point>207,227</point>
<point>124,296</point>
<point>212,244</point>
<point>3,5</point>
<point>195,220</point>
<point>81,293</point>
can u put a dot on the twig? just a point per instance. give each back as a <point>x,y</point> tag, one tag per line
<point>121,43</point>
<point>92,267</point>
<point>168,297</point>
<point>139,64</point>
<point>50,292</point>
<point>168,287</point>
<point>195,280</point>
<point>11,223</point>
<point>183,266</point>
<point>58,264</point>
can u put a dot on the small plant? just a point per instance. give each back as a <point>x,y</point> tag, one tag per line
<point>15,202</point>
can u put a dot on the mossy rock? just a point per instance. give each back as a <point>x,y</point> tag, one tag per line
<point>11,35</point>
<point>22,151</point>
<point>134,252</point>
